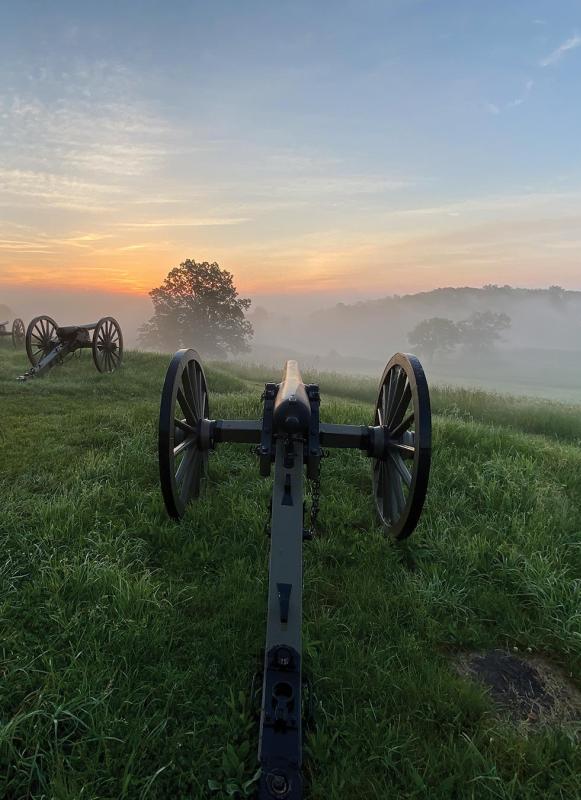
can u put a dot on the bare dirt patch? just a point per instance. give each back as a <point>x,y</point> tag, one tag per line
<point>528,689</point>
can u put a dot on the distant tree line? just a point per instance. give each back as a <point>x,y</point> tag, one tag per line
<point>198,306</point>
<point>476,334</point>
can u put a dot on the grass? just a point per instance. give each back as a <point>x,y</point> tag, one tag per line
<point>128,643</point>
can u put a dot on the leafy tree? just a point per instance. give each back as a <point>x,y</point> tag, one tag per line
<point>482,330</point>
<point>431,335</point>
<point>198,306</point>
<point>556,295</point>
<point>477,333</point>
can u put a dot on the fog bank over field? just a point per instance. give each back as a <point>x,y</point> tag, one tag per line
<point>539,354</point>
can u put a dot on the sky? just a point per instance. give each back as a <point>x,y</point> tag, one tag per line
<point>321,151</point>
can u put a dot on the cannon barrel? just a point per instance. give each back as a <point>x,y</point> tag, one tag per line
<point>67,330</point>
<point>292,409</point>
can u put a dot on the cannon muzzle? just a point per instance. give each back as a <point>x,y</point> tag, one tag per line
<point>292,409</point>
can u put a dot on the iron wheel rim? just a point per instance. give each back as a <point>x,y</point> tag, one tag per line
<point>107,345</point>
<point>41,338</point>
<point>400,477</point>
<point>184,402</point>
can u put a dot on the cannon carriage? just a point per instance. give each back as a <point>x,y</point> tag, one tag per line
<point>291,437</point>
<point>16,332</point>
<point>49,344</point>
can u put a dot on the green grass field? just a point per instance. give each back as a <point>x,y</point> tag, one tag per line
<point>128,642</point>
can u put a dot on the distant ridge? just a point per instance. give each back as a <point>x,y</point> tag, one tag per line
<point>492,292</point>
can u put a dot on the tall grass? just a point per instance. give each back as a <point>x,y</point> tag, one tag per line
<point>129,642</point>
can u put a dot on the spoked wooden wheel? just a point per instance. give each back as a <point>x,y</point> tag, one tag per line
<point>18,333</point>
<point>184,403</point>
<point>41,338</point>
<point>401,472</point>
<point>107,345</point>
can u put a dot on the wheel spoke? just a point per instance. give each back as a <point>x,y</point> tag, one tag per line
<point>402,407</point>
<point>188,394</point>
<point>193,384</point>
<point>186,408</point>
<point>185,445</point>
<point>398,497</point>
<point>191,483</point>
<point>400,401</point>
<point>201,393</point>
<point>405,450</point>
<point>183,425</point>
<point>404,472</point>
<point>185,466</point>
<point>399,431</point>
<point>388,395</point>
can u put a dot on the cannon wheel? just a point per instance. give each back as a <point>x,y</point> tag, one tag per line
<point>41,338</point>
<point>107,345</point>
<point>400,477</point>
<point>18,333</point>
<point>184,402</point>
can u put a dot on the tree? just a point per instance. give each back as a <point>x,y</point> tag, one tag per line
<point>556,295</point>
<point>198,306</point>
<point>481,330</point>
<point>431,335</point>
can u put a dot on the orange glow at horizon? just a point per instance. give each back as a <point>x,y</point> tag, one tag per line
<point>413,256</point>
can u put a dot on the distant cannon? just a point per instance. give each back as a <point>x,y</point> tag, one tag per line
<point>16,332</point>
<point>291,436</point>
<point>48,344</point>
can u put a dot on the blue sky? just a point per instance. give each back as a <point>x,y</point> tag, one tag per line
<point>344,147</point>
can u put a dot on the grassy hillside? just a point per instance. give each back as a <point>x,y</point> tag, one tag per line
<point>129,642</point>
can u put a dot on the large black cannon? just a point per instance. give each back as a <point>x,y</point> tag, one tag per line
<point>16,332</point>
<point>290,435</point>
<point>48,344</point>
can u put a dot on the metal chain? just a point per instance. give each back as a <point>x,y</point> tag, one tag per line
<point>316,495</point>
<point>315,485</point>
<point>315,501</point>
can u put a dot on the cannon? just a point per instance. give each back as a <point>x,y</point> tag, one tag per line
<point>291,436</point>
<point>16,332</point>
<point>49,344</point>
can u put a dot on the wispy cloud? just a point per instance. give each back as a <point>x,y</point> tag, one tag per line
<point>493,204</point>
<point>556,55</point>
<point>194,222</point>
<point>492,108</point>
<point>20,187</point>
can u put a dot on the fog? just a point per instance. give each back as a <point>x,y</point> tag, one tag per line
<point>540,354</point>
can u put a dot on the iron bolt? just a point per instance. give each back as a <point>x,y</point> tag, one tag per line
<point>278,785</point>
